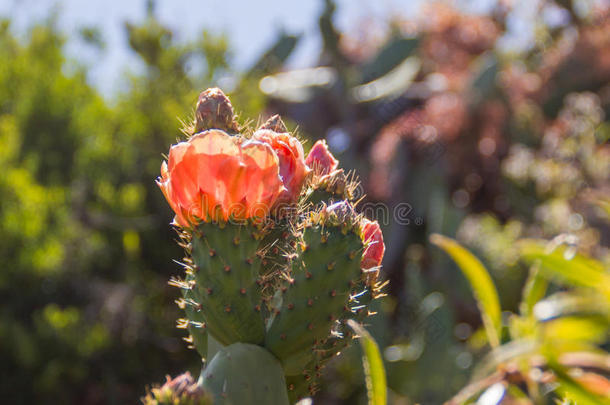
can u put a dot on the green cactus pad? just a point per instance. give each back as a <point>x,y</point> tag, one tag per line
<point>223,284</point>
<point>277,245</point>
<point>331,188</point>
<point>243,374</point>
<point>299,387</point>
<point>306,383</point>
<point>195,320</point>
<point>322,275</point>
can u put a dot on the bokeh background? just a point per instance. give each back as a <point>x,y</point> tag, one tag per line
<point>486,121</point>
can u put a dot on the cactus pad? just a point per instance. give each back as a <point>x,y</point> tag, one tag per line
<point>221,291</point>
<point>245,374</point>
<point>317,293</point>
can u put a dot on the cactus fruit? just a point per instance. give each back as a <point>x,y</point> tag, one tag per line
<point>245,374</point>
<point>276,260</point>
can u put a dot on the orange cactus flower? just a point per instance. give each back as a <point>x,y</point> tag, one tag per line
<point>372,236</point>
<point>293,169</point>
<point>215,176</point>
<point>320,160</point>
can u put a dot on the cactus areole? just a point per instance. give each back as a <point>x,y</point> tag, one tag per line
<point>277,258</point>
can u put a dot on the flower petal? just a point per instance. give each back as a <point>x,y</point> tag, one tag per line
<point>215,176</point>
<point>293,170</point>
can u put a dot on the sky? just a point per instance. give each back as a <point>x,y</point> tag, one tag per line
<point>251,25</point>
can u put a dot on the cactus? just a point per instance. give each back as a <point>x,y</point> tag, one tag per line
<point>276,260</point>
<point>221,290</point>
<point>317,292</point>
<point>245,374</point>
<point>182,390</point>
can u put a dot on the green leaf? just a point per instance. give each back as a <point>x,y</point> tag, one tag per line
<point>373,365</point>
<point>508,352</point>
<point>576,329</point>
<point>572,268</point>
<point>573,390</point>
<point>573,303</point>
<point>482,285</point>
<point>533,291</point>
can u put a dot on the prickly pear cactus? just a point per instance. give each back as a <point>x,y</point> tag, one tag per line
<point>277,259</point>
<point>318,289</point>
<point>221,290</point>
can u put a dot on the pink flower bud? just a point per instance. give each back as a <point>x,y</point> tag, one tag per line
<point>320,160</point>
<point>373,238</point>
<point>214,110</point>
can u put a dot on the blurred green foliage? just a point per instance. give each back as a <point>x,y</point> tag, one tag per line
<point>553,348</point>
<point>85,246</point>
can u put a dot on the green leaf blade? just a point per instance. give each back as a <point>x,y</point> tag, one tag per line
<point>571,268</point>
<point>374,371</point>
<point>481,283</point>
